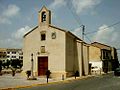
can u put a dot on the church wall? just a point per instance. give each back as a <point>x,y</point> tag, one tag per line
<point>70,54</point>
<point>31,46</point>
<point>86,59</point>
<point>54,49</point>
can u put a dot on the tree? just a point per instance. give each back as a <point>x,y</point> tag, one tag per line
<point>7,64</point>
<point>0,66</point>
<point>28,73</point>
<point>16,63</point>
<point>3,63</point>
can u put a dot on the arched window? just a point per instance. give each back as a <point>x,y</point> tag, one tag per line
<point>43,16</point>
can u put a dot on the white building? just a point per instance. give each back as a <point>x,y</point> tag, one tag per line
<point>14,54</point>
<point>10,54</point>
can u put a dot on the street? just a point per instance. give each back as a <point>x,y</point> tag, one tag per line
<point>104,82</point>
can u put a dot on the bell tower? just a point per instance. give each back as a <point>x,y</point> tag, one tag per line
<point>44,16</point>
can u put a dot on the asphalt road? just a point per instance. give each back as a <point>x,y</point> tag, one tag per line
<point>104,82</point>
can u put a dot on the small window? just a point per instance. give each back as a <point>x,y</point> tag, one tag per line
<point>43,37</point>
<point>42,49</point>
<point>13,52</point>
<point>4,56</point>
<point>8,56</point>
<point>21,57</point>
<point>53,35</point>
<point>13,56</point>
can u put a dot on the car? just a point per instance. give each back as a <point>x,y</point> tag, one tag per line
<point>96,70</point>
<point>117,72</point>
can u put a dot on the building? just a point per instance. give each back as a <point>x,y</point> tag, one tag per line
<point>3,54</point>
<point>14,54</point>
<point>103,56</point>
<point>115,62</point>
<point>10,54</point>
<point>53,49</point>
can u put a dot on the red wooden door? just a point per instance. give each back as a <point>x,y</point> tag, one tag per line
<point>42,65</point>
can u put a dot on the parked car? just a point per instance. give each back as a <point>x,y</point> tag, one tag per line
<point>117,72</point>
<point>96,70</point>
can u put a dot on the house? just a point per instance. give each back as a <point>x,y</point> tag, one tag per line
<point>95,58</point>
<point>14,54</point>
<point>102,56</point>
<point>47,47</point>
<point>115,62</point>
<point>3,55</point>
<point>10,54</point>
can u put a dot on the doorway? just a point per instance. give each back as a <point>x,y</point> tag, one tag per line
<point>42,65</point>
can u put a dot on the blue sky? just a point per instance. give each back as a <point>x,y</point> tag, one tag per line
<point>19,16</point>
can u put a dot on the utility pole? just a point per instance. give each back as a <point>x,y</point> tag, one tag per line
<point>82,49</point>
<point>83,30</point>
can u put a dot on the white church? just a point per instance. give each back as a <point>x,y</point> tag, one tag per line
<point>54,49</point>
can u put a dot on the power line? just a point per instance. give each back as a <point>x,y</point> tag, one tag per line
<point>104,28</point>
<point>76,17</point>
<point>83,28</point>
<point>88,39</point>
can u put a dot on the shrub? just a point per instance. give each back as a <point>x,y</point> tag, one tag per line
<point>28,73</point>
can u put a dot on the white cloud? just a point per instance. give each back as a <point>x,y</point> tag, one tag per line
<point>9,12</point>
<point>16,38</point>
<point>108,36</point>
<point>20,32</point>
<point>82,5</point>
<point>103,35</point>
<point>77,32</point>
<point>57,4</point>
<point>4,20</point>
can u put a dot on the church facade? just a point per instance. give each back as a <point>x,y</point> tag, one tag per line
<point>54,49</point>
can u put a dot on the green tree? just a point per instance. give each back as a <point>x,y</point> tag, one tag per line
<point>0,66</point>
<point>16,63</point>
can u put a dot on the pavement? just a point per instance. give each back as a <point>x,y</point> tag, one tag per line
<point>8,82</point>
<point>99,82</point>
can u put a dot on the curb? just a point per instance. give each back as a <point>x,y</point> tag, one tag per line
<point>43,84</point>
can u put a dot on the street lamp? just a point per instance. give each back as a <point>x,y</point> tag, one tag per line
<point>32,74</point>
<point>32,65</point>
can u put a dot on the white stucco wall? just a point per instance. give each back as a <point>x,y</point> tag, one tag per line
<point>79,58</point>
<point>86,59</point>
<point>31,45</point>
<point>71,48</point>
<point>96,64</point>
<point>55,49</point>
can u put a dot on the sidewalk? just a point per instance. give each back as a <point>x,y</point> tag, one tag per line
<point>7,81</point>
